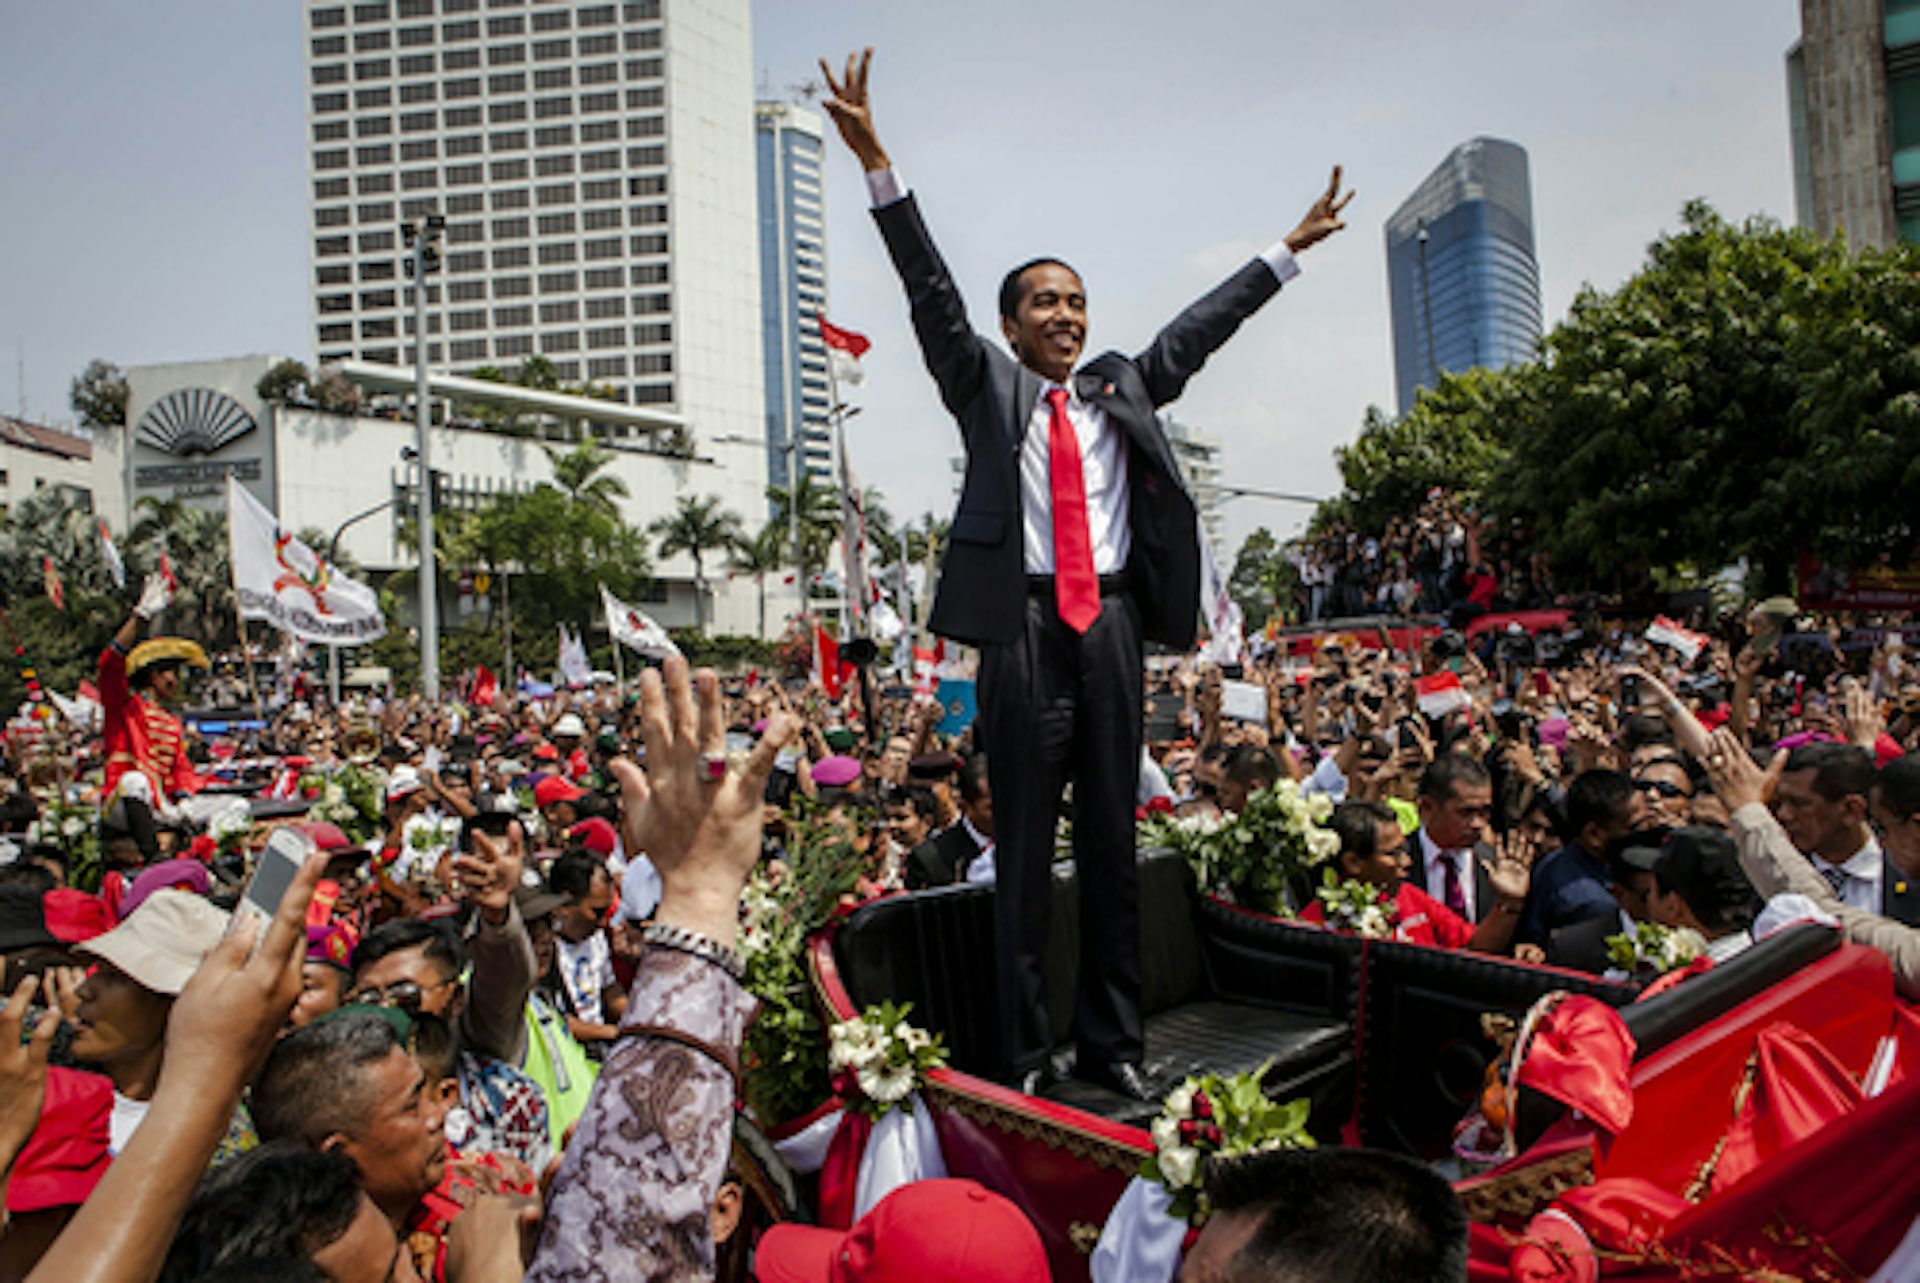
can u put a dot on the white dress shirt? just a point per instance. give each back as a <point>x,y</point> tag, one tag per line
<point>1862,887</point>
<point>1103,448</point>
<point>1436,876</point>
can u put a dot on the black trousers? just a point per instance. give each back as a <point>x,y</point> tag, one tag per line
<point>1055,706</point>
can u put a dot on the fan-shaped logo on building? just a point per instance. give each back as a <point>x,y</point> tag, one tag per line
<point>194,421</point>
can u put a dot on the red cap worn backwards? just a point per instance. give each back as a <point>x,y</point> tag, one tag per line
<point>555,789</point>
<point>936,1231</point>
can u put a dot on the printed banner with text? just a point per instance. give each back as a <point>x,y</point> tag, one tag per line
<point>281,580</point>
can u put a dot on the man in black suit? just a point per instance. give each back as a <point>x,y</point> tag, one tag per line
<point>1073,544</point>
<point>1822,803</point>
<point>1450,849</point>
<point>944,858</point>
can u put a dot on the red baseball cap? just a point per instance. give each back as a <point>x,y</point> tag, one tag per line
<point>555,789</point>
<point>926,1232</point>
<point>67,1154</point>
<point>596,834</point>
<point>74,916</point>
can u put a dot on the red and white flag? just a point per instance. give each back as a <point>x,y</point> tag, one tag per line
<point>634,629</point>
<point>926,667</point>
<point>1665,632</point>
<point>844,349</point>
<point>50,579</point>
<point>111,555</point>
<point>1440,694</point>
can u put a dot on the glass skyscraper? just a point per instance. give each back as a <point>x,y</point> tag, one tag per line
<point>1464,282</point>
<point>793,288</point>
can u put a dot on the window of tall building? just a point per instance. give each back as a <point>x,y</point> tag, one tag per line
<point>558,282</point>
<point>466,30</point>
<point>512,287</point>
<point>371,41</point>
<point>370,184</point>
<point>424,92</point>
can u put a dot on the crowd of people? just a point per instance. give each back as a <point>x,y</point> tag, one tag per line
<point>516,1046</point>
<point>1444,559</point>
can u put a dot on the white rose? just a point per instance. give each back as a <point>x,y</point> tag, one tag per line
<point>1180,1102</point>
<point>1322,844</point>
<point>1180,1165</point>
<point>1319,808</point>
<point>1166,1133</point>
<point>73,826</point>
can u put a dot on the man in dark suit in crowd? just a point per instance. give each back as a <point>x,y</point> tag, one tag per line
<point>1450,849</point>
<point>944,858</point>
<point>1822,803</point>
<point>1073,544</point>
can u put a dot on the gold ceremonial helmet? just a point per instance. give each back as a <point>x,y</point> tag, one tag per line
<point>159,650</point>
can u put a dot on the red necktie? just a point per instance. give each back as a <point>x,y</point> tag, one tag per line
<point>1076,589</point>
<point>1456,895</point>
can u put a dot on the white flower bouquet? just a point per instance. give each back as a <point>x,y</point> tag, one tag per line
<point>1360,908</point>
<point>1212,1117</point>
<point>1253,858</point>
<point>1651,950</point>
<point>878,1060</point>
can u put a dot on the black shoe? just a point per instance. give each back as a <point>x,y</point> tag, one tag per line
<point>1035,1081</point>
<point>1121,1076</point>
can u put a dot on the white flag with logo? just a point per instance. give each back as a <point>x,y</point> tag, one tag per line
<point>574,668</point>
<point>633,629</point>
<point>281,580</point>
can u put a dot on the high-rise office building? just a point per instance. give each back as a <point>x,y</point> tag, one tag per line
<point>1853,98</point>
<point>594,167</point>
<point>1464,282</point>
<point>1198,453</point>
<point>793,288</point>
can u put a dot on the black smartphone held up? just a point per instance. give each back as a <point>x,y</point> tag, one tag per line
<point>1630,692</point>
<point>273,873</point>
<point>492,823</point>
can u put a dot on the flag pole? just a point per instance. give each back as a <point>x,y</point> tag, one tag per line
<point>246,653</point>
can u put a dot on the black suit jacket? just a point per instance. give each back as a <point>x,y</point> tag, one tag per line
<point>942,859</point>
<point>1482,884</point>
<point>1582,945</point>
<point>982,595</point>
<point>1899,894</point>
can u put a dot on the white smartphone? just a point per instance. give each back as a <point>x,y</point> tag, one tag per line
<point>273,873</point>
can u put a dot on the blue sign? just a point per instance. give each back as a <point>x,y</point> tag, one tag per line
<point>959,704</point>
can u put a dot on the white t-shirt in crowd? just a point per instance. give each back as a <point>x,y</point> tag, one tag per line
<point>640,888</point>
<point>587,969</point>
<point>127,1116</point>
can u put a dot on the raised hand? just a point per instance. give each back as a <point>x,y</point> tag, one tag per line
<point>1508,871</point>
<point>23,1071</point>
<point>1737,779</point>
<point>695,813</point>
<point>489,873</point>
<point>155,594</point>
<point>1320,222</point>
<point>852,110</point>
<point>1860,716</point>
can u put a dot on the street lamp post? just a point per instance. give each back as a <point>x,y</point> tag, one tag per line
<point>424,240</point>
<point>333,557</point>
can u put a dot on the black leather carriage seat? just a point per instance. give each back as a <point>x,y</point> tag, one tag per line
<point>935,949</point>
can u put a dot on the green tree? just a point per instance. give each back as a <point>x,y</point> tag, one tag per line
<point>195,540</point>
<point>1455,436</point>
<point>819,510</point>
<point>578,474</point>
<point>1751,392</point>
<point>285,382</point>
<point>697,526</point>
<point>1262,580</point>
<point>99,395</point>
<point>761,555</point>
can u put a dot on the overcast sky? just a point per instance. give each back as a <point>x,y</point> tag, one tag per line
<point>152,179</point>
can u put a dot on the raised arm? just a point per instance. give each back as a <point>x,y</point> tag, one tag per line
<point>1178,351</point>
<point>954,354</point>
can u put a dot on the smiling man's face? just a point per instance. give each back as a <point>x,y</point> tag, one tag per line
<point>1049,325</point>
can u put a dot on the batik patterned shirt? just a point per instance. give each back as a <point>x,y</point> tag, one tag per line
<point>632,1198</point>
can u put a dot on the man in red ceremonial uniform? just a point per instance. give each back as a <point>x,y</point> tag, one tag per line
<point>145,748</point>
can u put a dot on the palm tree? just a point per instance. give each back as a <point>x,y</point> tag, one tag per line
<point>819,517</point>
<point>195,540</point>
<point>761,555</point>
<point>577,473</point>
<point>696,527</point>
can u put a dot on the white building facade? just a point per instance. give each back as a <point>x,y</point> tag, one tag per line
<point>594,164</point>
<point>196,423</point>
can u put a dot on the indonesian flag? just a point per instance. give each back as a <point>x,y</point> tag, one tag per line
<point>844,349</point>
<point>829,667</point>
<point>1665,632</point>
<point>111,555</point>
<point>633,629</point>
<point>50,578</point>
<point>166,570</point>
<point>1440,694</point>
<point>926,668</point>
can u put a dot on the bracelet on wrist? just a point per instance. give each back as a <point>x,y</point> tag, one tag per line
<point>666,935</point>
